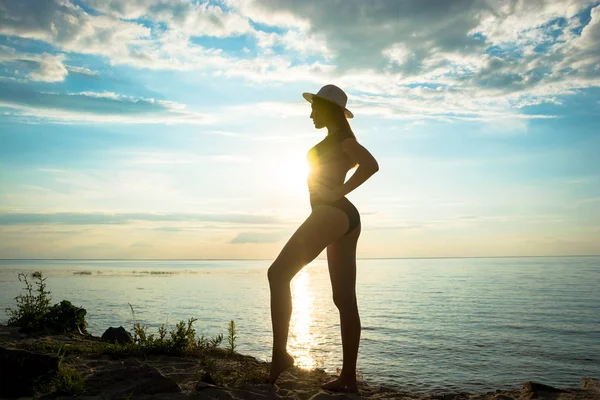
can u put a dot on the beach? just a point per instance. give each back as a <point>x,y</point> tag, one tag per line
<point>170,377</point>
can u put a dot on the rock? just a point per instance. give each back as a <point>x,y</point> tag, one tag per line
<point>336,396</point>
<point>207,378</point>
<point>591,384</point>
<point>533,389</point>
<point>118,335</point>
<point>203,385</point>
<point>21,370</point>
<point>129,378</point>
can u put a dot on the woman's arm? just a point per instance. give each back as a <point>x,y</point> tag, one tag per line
<point>367,165</point>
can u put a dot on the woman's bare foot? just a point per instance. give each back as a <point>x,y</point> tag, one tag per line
<point>280,364</point>
<point>341,385</point>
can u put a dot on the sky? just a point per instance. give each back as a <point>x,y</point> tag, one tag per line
<point>177,129</point>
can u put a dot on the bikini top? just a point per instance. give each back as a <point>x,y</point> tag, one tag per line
<point>328,163</point>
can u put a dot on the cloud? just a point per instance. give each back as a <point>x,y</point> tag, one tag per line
<point>280,109</point>
<point>484,49</point>
<point>94,107</point>
<point>358,32</point>
<point>520,22</point>
<point>442,104</point>
<point>480,59</point>
<point>164,44</point>
<point>51,69</point>
<point>298,41</point>
<point>259,237</point>
<point>81,70</point>
<point>588,201</point>
<point>362,34</point>
<point>40,67</point>
<point>138,157</point>
<point>267,12</point>
<point>194,19</point>
<point>100,218</point>
<point>419,103</point>
<point>69,27</point>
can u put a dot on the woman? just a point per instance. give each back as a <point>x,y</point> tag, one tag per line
<point>334,223</point>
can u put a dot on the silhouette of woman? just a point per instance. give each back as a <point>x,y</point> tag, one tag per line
<point>334,223</point>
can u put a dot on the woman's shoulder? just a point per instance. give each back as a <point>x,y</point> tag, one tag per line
<point>343,138</point>
<point>341,135</point>
<point>333,142</point>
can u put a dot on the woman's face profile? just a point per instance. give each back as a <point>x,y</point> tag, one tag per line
<point>317,116</point>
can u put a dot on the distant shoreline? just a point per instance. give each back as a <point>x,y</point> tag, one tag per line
<point>267,259</point>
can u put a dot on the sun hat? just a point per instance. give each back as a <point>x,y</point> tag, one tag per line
<point>332,94</point>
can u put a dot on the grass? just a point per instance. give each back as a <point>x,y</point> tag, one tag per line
<point>68,381</point>
<point>225,368</point>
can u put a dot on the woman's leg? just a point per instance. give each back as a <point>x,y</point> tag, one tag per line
<point>325,225</point>
<point>341,258</point>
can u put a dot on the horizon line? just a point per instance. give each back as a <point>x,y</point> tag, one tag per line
<point>266,259</point>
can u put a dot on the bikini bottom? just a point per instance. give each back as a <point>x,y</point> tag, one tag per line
<point>346,206</point>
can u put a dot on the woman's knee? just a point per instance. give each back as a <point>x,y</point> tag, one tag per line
<point>345,301</point>
<point>278,273</point>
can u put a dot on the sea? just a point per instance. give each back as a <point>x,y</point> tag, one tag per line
<point>428,325</point>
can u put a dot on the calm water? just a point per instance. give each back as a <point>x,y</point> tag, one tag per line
<point>429,325</point>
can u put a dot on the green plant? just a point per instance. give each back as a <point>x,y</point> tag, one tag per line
<point>162,332</point>
<point>179,340</point>
<point>65,317</point>
<point>33,312</point>
<point>68,381</point>
<point>232,335</point>
<point>209,344</point>
<point>31,306</point>
<point>184,336</point>
<point>140,334</point>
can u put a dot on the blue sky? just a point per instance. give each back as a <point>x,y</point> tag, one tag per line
<point>177,129</point>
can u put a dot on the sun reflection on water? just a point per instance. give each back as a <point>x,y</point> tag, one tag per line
<point>302,339</point>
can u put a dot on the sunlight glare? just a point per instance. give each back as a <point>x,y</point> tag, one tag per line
<point>290,175</point>
<point>301,339</point>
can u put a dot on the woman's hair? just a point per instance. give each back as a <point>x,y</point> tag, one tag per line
<point>334,113</point>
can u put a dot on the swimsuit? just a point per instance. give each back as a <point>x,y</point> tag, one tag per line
<point>328,167</point>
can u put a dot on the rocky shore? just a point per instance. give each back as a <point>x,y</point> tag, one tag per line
<point>93,374</point>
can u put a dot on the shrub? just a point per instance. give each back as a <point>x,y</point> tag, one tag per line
<point>32,306</point>
<point>65,317</point>
<point>180,340</point>
<point>34,314</point>
<point>183,337</point>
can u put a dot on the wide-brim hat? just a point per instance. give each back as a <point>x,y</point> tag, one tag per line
<point>332,94</point>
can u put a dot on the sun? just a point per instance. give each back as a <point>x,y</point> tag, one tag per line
<point>290,175</point>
